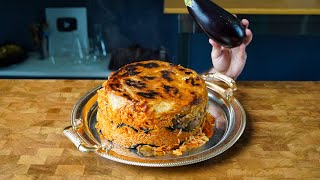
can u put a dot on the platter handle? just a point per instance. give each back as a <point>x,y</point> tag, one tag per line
<point>74,138</point>
<point>220,77</point>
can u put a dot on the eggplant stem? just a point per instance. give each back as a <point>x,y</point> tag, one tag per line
<point>188,2</point>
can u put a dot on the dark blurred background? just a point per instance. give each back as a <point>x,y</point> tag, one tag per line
<point>283,47</point>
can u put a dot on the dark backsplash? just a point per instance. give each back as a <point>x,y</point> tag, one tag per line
<point>283,48</point>
<point>124,22</point>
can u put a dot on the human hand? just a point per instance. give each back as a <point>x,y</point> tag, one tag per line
<point>230,62</point>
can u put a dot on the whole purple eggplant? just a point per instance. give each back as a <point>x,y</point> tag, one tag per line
<point>216,22</point>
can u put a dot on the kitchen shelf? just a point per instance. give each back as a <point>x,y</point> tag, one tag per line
<point>266,7</point>
<point>34,67</point>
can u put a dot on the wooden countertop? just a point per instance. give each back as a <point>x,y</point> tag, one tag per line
<point>281,139</point>
<point>281,7</point>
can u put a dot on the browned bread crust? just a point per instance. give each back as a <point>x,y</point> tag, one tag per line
<point>154,103</point>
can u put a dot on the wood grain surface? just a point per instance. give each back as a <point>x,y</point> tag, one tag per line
<point>281,7</point>
<point>281,139</point>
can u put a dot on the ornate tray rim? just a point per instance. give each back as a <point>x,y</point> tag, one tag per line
<point>103,150</point>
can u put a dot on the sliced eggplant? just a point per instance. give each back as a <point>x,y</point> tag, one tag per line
<point>216,22</point>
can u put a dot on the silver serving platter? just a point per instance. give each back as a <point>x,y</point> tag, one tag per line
<point>230,121</point>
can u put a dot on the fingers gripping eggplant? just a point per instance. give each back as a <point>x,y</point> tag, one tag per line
<point>216,22</point>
